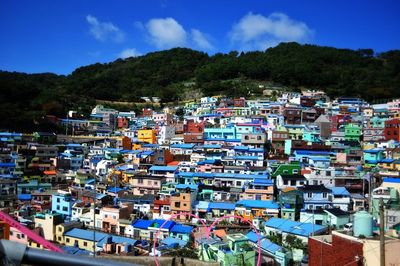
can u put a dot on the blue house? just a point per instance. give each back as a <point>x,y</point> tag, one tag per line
<point>182,232</point>
<point>62,204</point>
<point>286,227</point>
<point>316,197</point>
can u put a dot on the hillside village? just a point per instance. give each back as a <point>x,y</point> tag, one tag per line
<point>304,172</point>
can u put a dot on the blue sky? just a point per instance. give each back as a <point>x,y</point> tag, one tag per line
<point>59,36</point>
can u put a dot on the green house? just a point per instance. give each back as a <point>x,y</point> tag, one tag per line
<point>352,132</point>
<point>291,168</point>
<point>234,251</point>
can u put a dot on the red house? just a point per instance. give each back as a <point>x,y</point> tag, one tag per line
<point>335,249</point>
<point>193,127</point>
<point>392,129</point>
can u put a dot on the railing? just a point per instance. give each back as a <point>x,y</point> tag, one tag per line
<point>16,254</point>
<point>30,234</point>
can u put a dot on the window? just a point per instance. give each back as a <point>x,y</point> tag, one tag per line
<point>85,244</point>
<point>328,173</point>
<point>105,215</point>
<point>184,204</point>
<point>177,204</point>
<point>67,240</point>
<point>309,195</point>
<point>324,195</point>
<point>238,183</point>
<point>246,137</point>
<point>58,207</point>
<point>65,209</point>
<point>58,199</point>
<point>295,171</point>
<point>258,137</point>
<point>140,181</point>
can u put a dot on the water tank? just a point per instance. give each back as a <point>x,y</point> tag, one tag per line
<point>362,224</point>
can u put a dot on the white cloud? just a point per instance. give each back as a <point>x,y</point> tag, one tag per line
<point>130,52</point>
<point>200,40</point>
<point>166,33</point>
<point>255,31</point>
<point>103,31</point>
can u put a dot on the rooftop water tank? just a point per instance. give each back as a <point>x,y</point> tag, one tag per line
<point>362,224</point>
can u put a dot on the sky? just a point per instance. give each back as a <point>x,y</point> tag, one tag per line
<point>60,36</point>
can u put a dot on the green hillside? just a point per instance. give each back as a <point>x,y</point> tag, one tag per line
<point>26,98</point>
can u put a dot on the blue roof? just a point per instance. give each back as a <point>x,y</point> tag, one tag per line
<point>142,224</point>
<point>74,145</point>
<point>252,236</point>
<point>182,146</point>
<point>117,240</point>
<point>150,145</point>
<point>114,189</point>
<point>340,191</point>
<point>386,161</point>
<point>241,148</point>
<point>163,168</point>
<point>263,181</point>
<point>221,206</point>
<point>373,151</point>
<point>391,180</point>
<point>307,152</point>
<point>292,227</point>
<point>159,222</point>
<point>247,158</point>
<point>207,162</point>
<point>173,242</point>
<point>184,186</point>
<point>24,196</point>
<point>202,205</point>
<point>267,245</point>
<point>7,164</point>
<point>267,204</point>
<point>212,146</point>
<point>85,234</point>
<point>320,159</point>
<point>182,229</point>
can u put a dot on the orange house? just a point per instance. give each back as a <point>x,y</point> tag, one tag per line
<point>147,135</point>
<point>181,202</point>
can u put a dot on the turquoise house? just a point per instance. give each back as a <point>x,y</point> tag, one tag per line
<point>220,133</point>
<point>373,156</point>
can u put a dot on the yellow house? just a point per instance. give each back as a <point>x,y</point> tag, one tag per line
<point>82,239</point>
<point>250,209</point>
<point>147,135</point>
<point>64,227</point>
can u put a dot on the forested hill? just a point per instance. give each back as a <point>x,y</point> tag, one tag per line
<point>24,98</point>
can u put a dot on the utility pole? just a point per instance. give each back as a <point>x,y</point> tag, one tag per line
<point>382,230</point>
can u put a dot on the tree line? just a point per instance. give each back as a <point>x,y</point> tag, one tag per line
<point>26,98</point>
